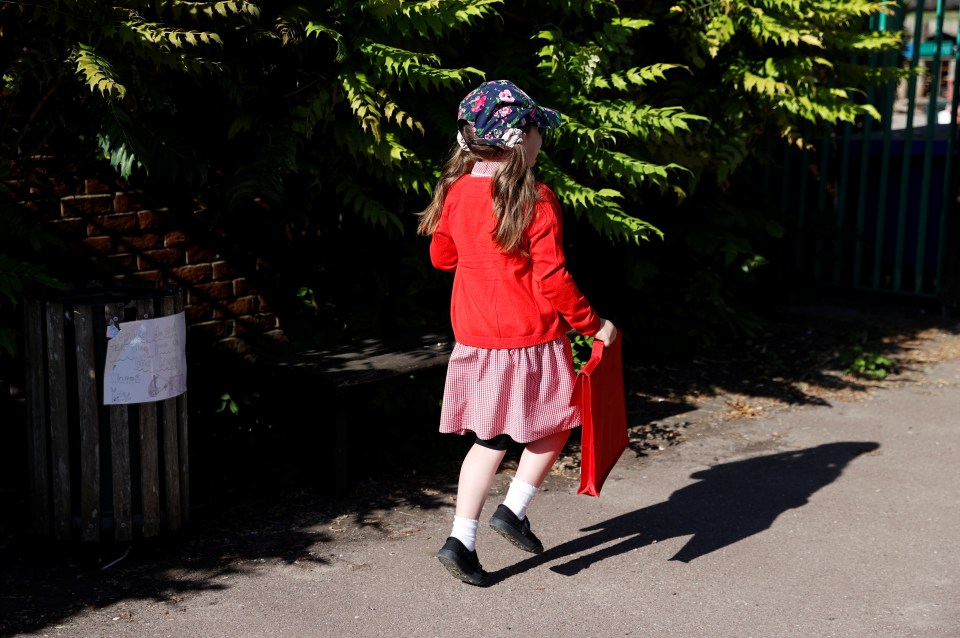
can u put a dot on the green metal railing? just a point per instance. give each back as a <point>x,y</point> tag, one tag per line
<point>872,205</point>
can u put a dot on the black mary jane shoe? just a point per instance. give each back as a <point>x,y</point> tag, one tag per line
<point>514,530</point>
<point>462,563</point>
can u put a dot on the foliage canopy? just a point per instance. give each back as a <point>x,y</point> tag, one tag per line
<point>311,132</point>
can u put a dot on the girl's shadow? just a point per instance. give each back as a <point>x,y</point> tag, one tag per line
<point>728,503</point>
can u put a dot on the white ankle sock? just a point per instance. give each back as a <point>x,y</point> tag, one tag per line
<point>519,496</point>
<point>465,531</point>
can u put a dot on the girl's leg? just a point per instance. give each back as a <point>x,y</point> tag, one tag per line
<point>539,456</point>
<point>459,552</point>
<point>510,519</point>
<point>535,463</point>
<point>476,478</point>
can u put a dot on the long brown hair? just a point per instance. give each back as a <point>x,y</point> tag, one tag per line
<point>513,188</point>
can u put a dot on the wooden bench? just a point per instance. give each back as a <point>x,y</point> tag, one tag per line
<point>359,365</point>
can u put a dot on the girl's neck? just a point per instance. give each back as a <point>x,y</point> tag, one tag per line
<point>485,169</point>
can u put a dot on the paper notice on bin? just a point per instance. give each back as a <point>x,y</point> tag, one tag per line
<point>146,361</point>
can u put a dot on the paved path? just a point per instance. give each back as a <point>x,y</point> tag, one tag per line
<point>816,522</point>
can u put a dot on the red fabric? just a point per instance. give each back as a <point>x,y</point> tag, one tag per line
<point>506,301</point>
<point>522,392</point>
<point>599,394</point>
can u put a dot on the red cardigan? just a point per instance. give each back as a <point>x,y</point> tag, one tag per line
<point>501,300</point>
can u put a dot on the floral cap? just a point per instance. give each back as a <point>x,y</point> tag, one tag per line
<point>497,107</point>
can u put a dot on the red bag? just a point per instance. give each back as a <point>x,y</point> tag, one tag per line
<point>599,393</point>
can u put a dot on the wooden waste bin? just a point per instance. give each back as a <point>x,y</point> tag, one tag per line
<point>99,472</point>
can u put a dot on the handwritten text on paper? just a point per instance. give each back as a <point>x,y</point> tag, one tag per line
<point>146,361</point>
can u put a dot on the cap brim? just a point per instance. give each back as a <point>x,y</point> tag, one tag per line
<point>548,118</point>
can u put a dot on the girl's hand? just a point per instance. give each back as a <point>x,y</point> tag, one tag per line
<point>607,332</point>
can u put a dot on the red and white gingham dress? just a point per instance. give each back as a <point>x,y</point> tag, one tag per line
<point>523,392</point>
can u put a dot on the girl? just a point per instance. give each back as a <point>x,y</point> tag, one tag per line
<point>510,375</point>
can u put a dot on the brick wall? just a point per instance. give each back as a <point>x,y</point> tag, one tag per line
<point>125,238</point>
